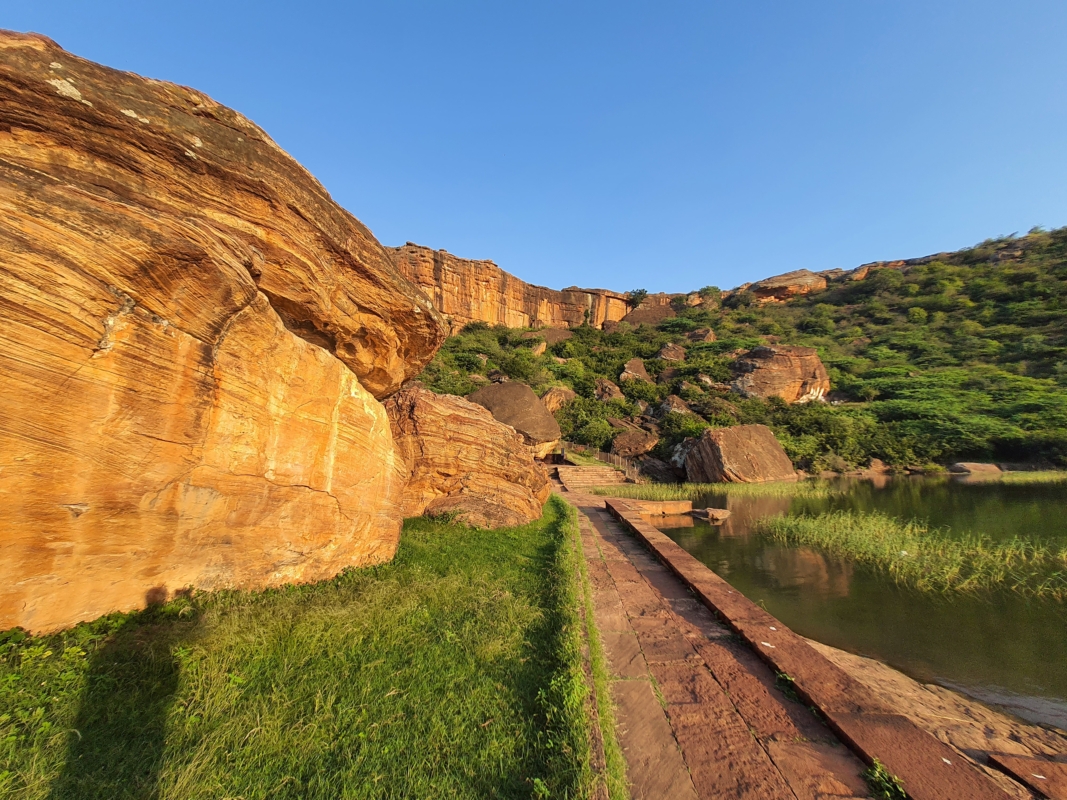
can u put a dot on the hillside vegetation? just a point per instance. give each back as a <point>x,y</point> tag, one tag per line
<point>961,356</point>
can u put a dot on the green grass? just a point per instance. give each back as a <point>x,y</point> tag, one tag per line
<point>583,460</point>
<point>695,491</point>
<point>454,671</point>
<point>928,560</point>
<point>884,785</point>
<point>1038,476</point>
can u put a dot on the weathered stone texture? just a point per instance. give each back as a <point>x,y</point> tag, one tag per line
<point>461,459</point>
<point>791,284</point>
<point>634,370</point>
<point>557,397</point>
<point>796,374</point>
<point>515,404</point>
<point>739,454</point>
<point>192,336</point>
<point>468,291</point>
<point>606,390</point>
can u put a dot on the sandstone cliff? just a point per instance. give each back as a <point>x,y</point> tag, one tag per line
<point>468,291</point>
<point>463,460</point>
<point>192,338</point>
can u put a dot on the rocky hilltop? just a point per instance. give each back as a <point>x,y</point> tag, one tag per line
<point>468,291</point>
<point>194,340</point>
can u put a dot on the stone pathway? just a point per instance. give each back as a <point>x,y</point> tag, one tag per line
<point>699,715</point>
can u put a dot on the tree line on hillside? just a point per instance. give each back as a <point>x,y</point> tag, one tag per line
<point>962,357</point>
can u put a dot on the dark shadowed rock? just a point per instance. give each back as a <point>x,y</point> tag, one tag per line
<point>550,335</point>
<point>654,309</point>
<point>795,374</point>
<point>634,371</point>
<point>607,391</point>
<point>631,443</point>
<point>516,405</point>
<point>557,397</point>
<point>462,460</point>
<point>659,471</point>
<point>741,454</point>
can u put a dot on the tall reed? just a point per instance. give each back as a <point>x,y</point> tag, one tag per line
<point>694,491</point>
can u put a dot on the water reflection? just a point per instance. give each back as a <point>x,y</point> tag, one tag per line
<point>1000,646</point>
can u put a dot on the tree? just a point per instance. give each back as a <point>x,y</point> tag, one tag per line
<point>636,297</point>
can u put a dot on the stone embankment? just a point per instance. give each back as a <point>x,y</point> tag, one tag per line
<point>466,291</point>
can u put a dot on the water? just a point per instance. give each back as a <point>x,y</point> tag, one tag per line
<point>1000,647</point>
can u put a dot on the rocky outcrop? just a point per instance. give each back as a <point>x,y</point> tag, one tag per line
<point>516,405</point>
<point>634,371</point>
<point>557,397</point>
<point>673,404</point>
<point>464,461</point>
<point>975,468</point>
<point>795,374</point>
<point>671,352</point>
<point>194,335</point>
<point>633,442</point>
<point>653,309</point>
<point>701,335</point>
<point>606,391</point>
<point>550,335</point>
<point>791,284</point>
<point>740,454</point>
<point>469,291</point>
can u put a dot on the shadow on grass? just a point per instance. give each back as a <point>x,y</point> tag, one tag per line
<point>116,747</point>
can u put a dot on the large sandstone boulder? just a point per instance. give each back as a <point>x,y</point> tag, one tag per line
<point>795,374</point>
<point>193,338</point>
<point>463,460</point>
<point>671,352</point>
<point>791,284</point>
<point>634,370</point>
<point>633,442</point>
<point>740,454</point>
<point>557,397</point>
<point>606,391</point>
<point>515,404</point>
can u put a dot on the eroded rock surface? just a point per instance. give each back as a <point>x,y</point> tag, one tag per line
<point>633,442</point>
<point>791,284</point>
<point>467,291</point>
<point>671,352</point>
<point>557,397</point>
<point>634,370</point>
<point>515,404</point>
<point>193,336</point>
<point>463,460</point>
<point>795,374</point>
<point>739,454</point>
<point>606,390</point>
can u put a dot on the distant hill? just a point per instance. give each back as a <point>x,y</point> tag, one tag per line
<point>956,356</point>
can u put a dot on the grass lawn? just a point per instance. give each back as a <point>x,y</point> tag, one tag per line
<point>454,671</point>
<point>697,491</point>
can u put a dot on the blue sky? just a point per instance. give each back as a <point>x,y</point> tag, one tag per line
<point>665,146</point>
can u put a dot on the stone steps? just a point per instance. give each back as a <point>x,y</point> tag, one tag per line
<point>578,478</point>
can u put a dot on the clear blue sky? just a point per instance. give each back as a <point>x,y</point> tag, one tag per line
<point>663,145</point>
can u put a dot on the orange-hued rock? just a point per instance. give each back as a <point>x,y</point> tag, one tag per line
<point>480,291</point>
<point>791,284</point>
<point>557,397</point>
<point>795,374</point>
<point>463,460</point>
<point>653,309</point>
<point>192,337</point>
<point>739,454</point>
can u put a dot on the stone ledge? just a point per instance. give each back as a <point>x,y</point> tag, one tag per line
<point>928,768</point>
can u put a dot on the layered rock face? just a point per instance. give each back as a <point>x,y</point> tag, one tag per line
<point>796,374</point>
<point>791,284</point>
<point>193,337</point>
<point>469,291</point>
<point>740,454</point>
<point>515,404</point>
<point>461,459</point>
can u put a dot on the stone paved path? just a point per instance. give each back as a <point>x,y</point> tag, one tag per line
<point>699,715</point>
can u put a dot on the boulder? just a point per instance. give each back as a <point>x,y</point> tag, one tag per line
<point>634,371</point>
<point>712,515</point>
<point>607,391</point>
<point>681,452</point>
<point>653,310</point>
<point>790,284</point>
<point>668,375</point>
<point>464,461</point>
<point>557,397</point>
<point>701,335</point>
<point>539,348</point>
<point>659,471</point>
<point>194,340</point>
<point>740,454</point>
<point>671,352</point>
<point>631,443</point>
<point>794,374</point>
<point>673,403</point>
<point>496,376</point>
<point>516,405</point>
<point>974,468</point>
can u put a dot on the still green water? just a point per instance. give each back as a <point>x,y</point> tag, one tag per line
<point>1000,648</point>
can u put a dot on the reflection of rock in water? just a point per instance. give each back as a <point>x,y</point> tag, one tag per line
<point>800,566</point>
<point>744,511</point>
<point>668,521</point>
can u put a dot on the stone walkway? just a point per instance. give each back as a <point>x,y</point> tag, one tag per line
<point>699,715</point>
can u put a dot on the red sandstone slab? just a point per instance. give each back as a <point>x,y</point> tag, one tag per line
<point>1047,778</point>
<point>654,765</point>
<point>907,751</point>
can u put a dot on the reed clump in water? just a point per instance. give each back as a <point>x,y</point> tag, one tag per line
<point>929,560</point>
<point>694,491</point>
<point>1039,476</point>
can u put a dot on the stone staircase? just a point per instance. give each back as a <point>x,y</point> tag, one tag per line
<point>578,479</point>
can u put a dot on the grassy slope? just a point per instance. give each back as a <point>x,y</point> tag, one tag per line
<point>962,358</point>
<point>452,672</point>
